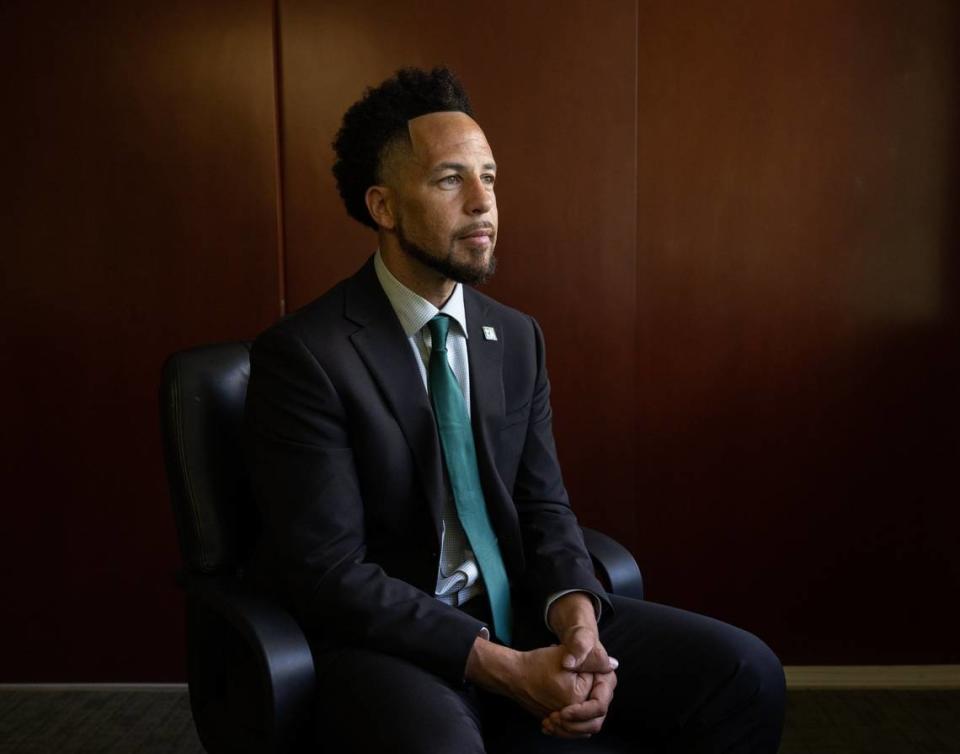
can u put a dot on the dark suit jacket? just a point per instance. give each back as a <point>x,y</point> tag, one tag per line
<point>347,472</point>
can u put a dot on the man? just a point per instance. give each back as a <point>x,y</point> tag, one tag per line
<point>414,515</point>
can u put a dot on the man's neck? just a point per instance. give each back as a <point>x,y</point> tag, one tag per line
<point>422,280</point>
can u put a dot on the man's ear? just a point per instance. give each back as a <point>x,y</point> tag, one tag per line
<point>380,204</point>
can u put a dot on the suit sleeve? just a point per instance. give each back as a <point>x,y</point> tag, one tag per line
<point>305,483</point>
<point>556,556</point>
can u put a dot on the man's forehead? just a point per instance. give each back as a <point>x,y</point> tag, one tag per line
<point>435,134</point>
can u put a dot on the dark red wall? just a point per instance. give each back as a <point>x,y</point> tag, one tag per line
<point>139,217</point>
<point>760,200</point>
<point>798,332</point>
<point>736,225</point>
<point>543,86</point>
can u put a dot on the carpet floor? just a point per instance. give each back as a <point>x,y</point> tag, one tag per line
<point>159,722</point>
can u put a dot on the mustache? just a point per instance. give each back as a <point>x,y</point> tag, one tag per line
<point>474,227</point>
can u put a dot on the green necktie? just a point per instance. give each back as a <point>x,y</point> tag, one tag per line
<point>460,455</point>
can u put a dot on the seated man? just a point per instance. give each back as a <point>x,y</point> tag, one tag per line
<point>414,516</point>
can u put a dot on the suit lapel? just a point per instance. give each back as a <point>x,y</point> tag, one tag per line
<point>385,350</point>
<point>486,367</point>
<point>487,407</point>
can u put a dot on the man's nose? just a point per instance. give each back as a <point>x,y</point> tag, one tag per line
<point>480,198</point>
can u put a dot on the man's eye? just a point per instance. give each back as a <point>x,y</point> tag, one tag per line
<point>489,179</point>
<point>450,180</point>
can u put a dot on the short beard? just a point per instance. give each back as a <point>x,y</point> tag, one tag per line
<point>446,266</point>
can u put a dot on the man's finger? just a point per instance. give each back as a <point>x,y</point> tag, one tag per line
<point>581,722</point>
<point>587,716</point>
<point>598,662</point>
<point>579,644</point>
<point>550,727</point>
<point>576,713</point>
<point>579,730</point>
<point>601,691</point>
<point>556,730</point>
<point>594,661</point>
<point>603,687</point>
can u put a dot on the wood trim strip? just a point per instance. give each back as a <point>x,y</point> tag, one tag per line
<point>173,687</point>
<point>798,677</point>
<point>873,676</point>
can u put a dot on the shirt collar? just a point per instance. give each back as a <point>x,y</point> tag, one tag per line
<point>412,309</point>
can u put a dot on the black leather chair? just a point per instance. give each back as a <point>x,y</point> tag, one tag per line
<point>249,666</point>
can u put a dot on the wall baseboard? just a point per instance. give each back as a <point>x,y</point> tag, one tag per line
<point>174,687</point>
<point>873,676</point>
<point>798,677</point>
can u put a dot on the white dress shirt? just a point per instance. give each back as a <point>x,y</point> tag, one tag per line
<point>458,577</point>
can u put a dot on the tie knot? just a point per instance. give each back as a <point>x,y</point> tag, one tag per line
<point>439,326</point>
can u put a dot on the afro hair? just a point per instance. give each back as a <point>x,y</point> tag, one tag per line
<point>377,120</point>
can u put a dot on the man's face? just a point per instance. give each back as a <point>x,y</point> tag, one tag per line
<point>446,210</point>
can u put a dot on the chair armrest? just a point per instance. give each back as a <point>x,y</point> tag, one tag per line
<point>614,564</point>
<point>251,672</point>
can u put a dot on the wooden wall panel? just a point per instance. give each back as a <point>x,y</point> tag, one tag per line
<point>544,86</point>
<point>798,321</point>
<point>139,217</point>
<point>782,457</point>
<point>778,447</point>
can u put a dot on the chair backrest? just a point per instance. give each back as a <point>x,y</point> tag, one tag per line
<point>202,397</point>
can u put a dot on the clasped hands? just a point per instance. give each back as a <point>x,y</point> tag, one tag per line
<point>569,686</point>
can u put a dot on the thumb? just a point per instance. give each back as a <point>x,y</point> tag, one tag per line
<point>578,646</point>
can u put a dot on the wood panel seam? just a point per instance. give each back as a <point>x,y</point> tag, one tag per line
<point>279,157</point>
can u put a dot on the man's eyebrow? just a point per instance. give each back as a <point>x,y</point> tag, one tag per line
<point>459,166</point>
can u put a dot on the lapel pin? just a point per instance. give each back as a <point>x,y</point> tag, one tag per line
<point>489,333</point>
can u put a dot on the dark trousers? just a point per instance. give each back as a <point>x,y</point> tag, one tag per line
<point>686,683</point>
